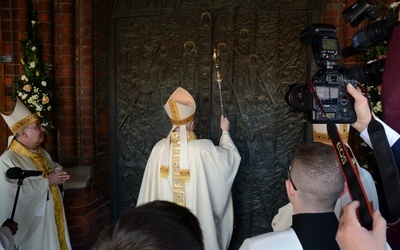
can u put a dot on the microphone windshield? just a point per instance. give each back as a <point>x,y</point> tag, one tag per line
<point>350,51</point>
<point>18,173</point>
<point>14,173</point>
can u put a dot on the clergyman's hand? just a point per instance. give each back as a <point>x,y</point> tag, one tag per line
<point>58,178</point>
<point>225,124</point>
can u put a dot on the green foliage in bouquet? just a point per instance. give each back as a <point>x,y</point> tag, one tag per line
<point>35,88</point>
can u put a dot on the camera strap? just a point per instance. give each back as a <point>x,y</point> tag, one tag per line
<point>348,169</point>
<point>387,170</point>
<point>351,176</point>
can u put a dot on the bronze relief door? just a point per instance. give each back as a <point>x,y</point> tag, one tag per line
<point>160,45</point>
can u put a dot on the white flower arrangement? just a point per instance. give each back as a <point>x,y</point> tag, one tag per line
<point>394,5</point>
<point>35,87</point>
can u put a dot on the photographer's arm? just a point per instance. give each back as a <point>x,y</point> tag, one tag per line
<point>364,116</point>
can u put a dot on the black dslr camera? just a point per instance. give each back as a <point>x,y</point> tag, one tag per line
<point>328,84</point>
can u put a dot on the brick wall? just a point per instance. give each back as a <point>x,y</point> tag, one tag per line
<point>333,15</point>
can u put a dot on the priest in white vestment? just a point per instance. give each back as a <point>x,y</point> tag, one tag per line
<point>194,173</point>
<point>39,210</point>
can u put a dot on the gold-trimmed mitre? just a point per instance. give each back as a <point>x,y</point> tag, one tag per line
<point>20,117</point>
<point>180,107</point>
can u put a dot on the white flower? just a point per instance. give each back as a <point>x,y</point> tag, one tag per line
<point>33,48</point>
<point>33,99</point>
<point>33,22</point>
<point>49,108</point>
<point>24,78</point>
<point>38,107</point>
<point>394,5</point>
<point>44,83</point>
<point>24,96</point>
<point>32,65</point>
<point>378,107</point>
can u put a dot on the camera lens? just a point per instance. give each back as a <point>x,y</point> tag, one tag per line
<point>374,33</point>
<point>370,74</point>
<point>294,97</point>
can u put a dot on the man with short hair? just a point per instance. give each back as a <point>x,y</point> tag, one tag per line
<point>321,230</point>
<point>313,186</point>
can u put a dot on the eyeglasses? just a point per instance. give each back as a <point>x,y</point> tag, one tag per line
<point>290,178</point>
<point>37,127</point>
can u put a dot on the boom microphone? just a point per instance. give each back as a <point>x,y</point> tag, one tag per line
<point>350,51</point>
<point>18,173</point>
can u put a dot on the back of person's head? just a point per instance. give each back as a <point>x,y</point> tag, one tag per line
<point>157,225</point>
<point>317,176</point>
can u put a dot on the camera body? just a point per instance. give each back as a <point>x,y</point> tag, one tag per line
<point>330,86</point>
<point>328,83</point>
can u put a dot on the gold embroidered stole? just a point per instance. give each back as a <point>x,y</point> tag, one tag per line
<point>43,166</point>
<point>179,176</point>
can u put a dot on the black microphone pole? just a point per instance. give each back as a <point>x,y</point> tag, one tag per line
<point>18,173</point>
<point>16,197</point>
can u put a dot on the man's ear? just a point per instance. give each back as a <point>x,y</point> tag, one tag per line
<point>289,189</point>
<point>344,191</point>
